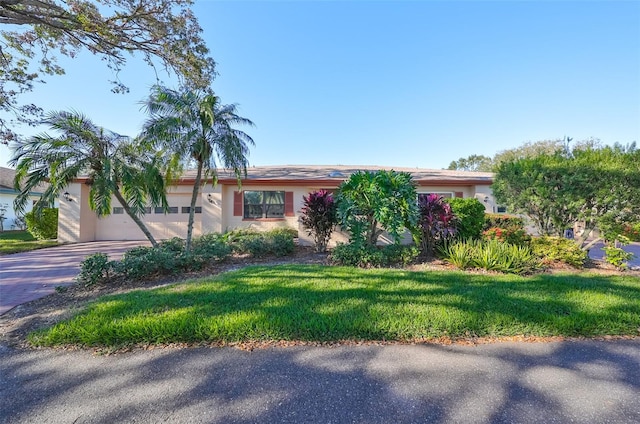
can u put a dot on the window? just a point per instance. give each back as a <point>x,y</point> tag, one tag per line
<point>501,209</point>
<point>147,210</point>
<point>172,209</point>
<point>263,204</point>
<point>187,209</point>
<point>118,210</point>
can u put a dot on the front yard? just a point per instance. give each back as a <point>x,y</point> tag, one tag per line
<point>315,303</point>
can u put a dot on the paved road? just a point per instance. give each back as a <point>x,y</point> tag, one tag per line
<point>31,275</point>
<point>579,382</point>
<point>596,252</point>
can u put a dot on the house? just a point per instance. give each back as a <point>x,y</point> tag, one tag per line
<point>269,197</point>
<point>8,195</point>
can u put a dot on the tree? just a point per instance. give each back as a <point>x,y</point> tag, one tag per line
<point>114,165</point>
<point>597,185</point>
<point>194,126</point>
<point>372,202</point>
<point>319,217</point>
<point>479,163</point>
<point>35,31</point>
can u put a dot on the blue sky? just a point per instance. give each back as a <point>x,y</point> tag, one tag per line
<point>415,84</point>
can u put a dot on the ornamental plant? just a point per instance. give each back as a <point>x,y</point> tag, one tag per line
<point>319,217</point>
<point>436,222</point>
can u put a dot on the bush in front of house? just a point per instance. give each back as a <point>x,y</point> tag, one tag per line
<point>470,218</point>
<point>319,217</point>
<point>436,223</point>
<point>278,242</point>
<point>43,226</point>
<point>499,220</point>
<point>491,255</point>
<point>558,249</point>
<point>365,256</point>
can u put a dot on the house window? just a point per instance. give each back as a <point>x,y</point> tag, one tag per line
<point>263,204</point>
<point>501,209</point>
<point>160,210</point>
<point>118,210</point>
<point>187,209</point>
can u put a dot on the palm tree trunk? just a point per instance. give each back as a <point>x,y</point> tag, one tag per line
<point>192,209</point>
<point>133,216</point>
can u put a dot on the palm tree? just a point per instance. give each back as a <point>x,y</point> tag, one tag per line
<point>113,163</point>
<point>197,129</point>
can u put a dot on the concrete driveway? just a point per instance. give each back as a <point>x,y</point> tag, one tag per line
<point>31,275</point>
<point>560,382</point>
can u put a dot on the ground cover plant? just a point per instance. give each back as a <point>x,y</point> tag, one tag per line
<point>21,241</point>
<point>321,304</point>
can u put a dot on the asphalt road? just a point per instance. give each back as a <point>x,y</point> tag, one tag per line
<point>596,252</point>
<point>560,382</point>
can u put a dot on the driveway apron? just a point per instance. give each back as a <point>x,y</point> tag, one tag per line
<point>31,275</point>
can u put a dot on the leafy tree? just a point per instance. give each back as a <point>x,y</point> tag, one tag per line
<point>114,165</point>
<point>437,222</point>
<point>372,202</point>
<point>595,185</point>
<point>195,127</point>
<point>319,217</point>
<point>34,32</point>
<point>479,163</point>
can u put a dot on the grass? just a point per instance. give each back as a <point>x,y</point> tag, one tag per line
<point>318,303</point>
<point>21,241</point>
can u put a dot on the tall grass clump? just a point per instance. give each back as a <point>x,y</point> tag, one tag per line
<point>491,255</point>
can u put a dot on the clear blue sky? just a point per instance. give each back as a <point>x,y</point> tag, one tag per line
<point>416,83</point>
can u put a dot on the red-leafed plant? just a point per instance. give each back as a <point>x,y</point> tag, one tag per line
<point>319,217</point>
<point>437,222</point>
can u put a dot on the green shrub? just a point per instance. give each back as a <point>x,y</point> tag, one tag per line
<point>43,226</point>
<point>470,217</point>
<point>617,257</point>
<point>210,247</point>
<point>365,256</point>
<point>141,262</point>
<point>491,255</point>
<point>557,249</point>
<point>277,242</point>
<point>94,269</point>
<point>498,220</point>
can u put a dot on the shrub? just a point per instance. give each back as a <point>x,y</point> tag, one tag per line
<point>494,220</point>
<point>436,222</point>
<point>470,217</point>
<point>141,262</point>
<point>94,269</point>
<point>491,255</point>
<point>557,249</point>
<point>210,247</point>
<point>615,255</point>
<point>277,242</point>
<point>512,235</point>
<point>366,256</point>
<point>43,226</point>
<point>319,217</point>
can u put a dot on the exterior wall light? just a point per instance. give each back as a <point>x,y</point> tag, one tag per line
<point>67,196</point>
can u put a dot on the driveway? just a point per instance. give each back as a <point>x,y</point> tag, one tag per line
<point>31,275</point>
<point>559,382</point>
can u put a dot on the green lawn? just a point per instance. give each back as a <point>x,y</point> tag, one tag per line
<point>21,241</point>
<point>319,303</point>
